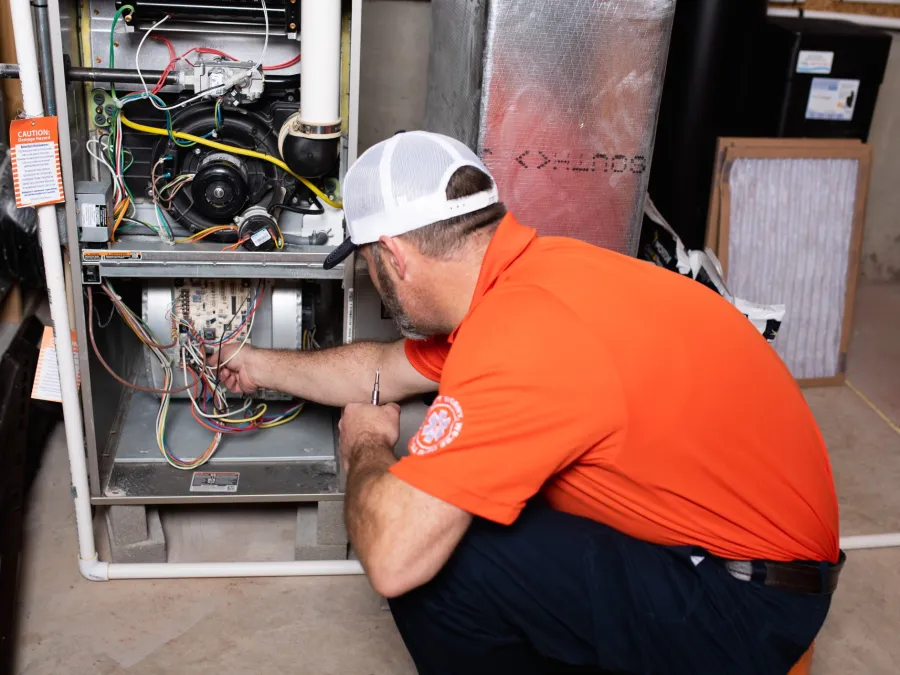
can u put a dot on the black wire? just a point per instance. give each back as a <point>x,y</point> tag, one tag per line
<point>298,209</point>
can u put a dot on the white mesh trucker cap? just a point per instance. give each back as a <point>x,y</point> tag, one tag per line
<point>400,185</point>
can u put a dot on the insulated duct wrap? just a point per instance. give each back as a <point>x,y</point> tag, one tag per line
<point>560,100</point>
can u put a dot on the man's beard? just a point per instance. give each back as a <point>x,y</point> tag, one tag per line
<point>392,303</point>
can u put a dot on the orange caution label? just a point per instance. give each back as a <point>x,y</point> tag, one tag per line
<point>46,385</point>
<point>34,145</point>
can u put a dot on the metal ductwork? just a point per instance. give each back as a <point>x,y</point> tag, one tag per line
<point>560,99</point>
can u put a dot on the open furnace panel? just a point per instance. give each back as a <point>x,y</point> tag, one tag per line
<point>208,145</point>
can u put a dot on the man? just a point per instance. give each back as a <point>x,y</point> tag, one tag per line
<point>611,447</point>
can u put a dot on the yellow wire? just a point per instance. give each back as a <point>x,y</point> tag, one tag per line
<point>112,235</point>
<point>203,233</point>
<point>229,148</point>
<point>261,410</point>
<point>269,425</point>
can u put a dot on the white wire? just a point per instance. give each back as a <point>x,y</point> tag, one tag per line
<point>99,157</point>
<point>241,346</point>
<point>137,64</point>
<point>262,57</point>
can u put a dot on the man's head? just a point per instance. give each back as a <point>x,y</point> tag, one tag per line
<point>421,209</point>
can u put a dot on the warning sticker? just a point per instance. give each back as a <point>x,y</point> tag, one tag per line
<point>211,481</point>
<point>34,151</point>
<point>110,255</point>
<point>260,237</point>
<point>46,385</point>
<point>831,99</point>
<point>818,63</point>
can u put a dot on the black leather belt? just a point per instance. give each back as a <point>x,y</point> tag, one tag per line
<point>807,578</point>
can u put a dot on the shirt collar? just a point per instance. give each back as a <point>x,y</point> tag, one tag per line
<point>508,243</point>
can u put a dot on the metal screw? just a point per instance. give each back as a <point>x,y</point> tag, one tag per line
<point>196,151</point>
<point>116,44</point>
<point>219,193</point>
<point>293,26</point>
<point>99,60</point>
<point>96,12</point>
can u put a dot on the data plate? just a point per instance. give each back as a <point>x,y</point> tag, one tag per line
<point>210,481</point>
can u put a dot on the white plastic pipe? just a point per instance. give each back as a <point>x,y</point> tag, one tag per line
<point>857,542</point>
<point>96,570</point>
<point>886,22</point>
<point>320,67</point>
<point>33,105</point>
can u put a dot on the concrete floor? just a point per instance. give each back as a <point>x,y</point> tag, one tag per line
<point>326,626</point>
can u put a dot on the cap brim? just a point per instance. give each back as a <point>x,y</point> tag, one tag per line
<point>339,254</point>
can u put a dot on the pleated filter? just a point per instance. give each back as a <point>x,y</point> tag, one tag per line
<point>791,234</point>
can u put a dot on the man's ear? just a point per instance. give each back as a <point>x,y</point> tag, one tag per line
<point>397,254</point>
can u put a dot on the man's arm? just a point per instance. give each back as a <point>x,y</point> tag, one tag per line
<point>334,376</point>
<point>403,536</point>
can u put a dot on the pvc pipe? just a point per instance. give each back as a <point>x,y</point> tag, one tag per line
<point>320,68</point>
<point>32,104</point>
<point>96,570</point>
<point>889,23</point>
<point>862,541</point>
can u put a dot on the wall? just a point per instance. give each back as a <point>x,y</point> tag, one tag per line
<point>881,241</point>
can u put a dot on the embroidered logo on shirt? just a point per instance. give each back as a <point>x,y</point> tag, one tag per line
<point>442,424</point>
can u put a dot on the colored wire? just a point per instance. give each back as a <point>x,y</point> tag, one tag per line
<point>230,148</point>
<point>122,210</point>
<point>115,376</point>
<point>205,233</point>
<point>286,64</point>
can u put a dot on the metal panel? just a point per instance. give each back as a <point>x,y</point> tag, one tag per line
<point>565,97</point>
<point>285,482</point>
<point>154,55</point>
<point>309,438</point>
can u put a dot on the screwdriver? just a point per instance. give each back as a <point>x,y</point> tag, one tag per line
<point>376,390</point>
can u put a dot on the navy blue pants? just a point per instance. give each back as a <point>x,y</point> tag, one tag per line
<point>555,593</point>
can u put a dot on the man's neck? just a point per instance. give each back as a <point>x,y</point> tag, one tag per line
<point>455,282</point>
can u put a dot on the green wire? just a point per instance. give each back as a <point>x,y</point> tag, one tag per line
<point>112,46</point>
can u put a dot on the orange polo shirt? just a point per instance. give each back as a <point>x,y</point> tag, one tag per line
<point>624,393</point>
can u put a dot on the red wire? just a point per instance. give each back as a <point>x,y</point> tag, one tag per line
<point>286,64</point>
<point>161,82</point>
<point>207,50</point>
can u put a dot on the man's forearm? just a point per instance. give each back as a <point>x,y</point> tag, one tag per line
<point>334,376</point>
<point>402,536</point>
<point>364,504</point>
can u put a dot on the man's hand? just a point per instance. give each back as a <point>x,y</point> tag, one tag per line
<point>364,425</point>
<point>238,372</point>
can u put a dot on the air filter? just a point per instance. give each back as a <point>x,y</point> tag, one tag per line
<point>560,100</point>
<point>790,229</point>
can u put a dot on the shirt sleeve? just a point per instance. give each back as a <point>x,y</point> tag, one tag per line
<point>428,356</point>
<point>513,411</point>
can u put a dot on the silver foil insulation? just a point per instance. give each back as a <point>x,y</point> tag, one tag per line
<point>560,100</point>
